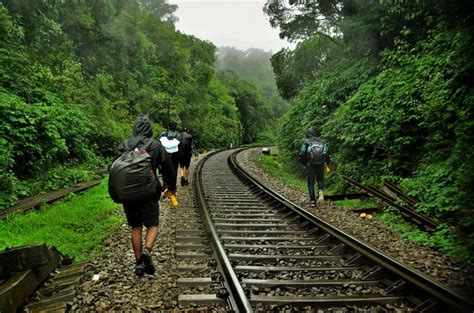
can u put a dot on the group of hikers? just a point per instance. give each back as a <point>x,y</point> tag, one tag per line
<point>133,179</point>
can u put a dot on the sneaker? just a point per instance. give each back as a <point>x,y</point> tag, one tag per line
<point>183,181</point>
<point>321,196</point>
<point>139,269</point>
<point>312,203</point>
<point>148,263</point>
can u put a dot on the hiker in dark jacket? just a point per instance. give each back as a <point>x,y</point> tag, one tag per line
<point>186,147</point>
<point>146,211</point>
<point>314,155</point>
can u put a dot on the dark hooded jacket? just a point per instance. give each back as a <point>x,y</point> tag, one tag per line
<point>141,138</point>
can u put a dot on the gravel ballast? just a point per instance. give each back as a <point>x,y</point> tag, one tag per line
<point>111,285</point>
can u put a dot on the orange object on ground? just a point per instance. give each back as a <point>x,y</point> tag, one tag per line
<point>173,200</point>
<point>327,168</point>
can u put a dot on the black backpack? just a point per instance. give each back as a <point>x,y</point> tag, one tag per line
<point>185,144</point>
<point>316,152</point>
<point>131,176</point>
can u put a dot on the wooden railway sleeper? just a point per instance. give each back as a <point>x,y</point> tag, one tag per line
<point>324,239</point>
<point>287,214</point>
<point>293,219</point>
<point>354,259</point>
<point>338,250</point>
<point>394,287</point>
<point>302,225</point>
<point>427,306</point>
<point>372,273</point>
<point>310,232</point>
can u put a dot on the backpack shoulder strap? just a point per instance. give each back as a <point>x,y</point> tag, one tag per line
<point>304,147</point>
<point>124,146</point>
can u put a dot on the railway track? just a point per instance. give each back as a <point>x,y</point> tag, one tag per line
<point>275,255</point>
<point>29,203</point>
<point>36,201</point>
<point>407,211</point>
<point>240,246</point>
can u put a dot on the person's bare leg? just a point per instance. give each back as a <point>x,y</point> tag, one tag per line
<point>150,237</point>
<point>181,173</point>
<point>137,241</point>
<point>186,173</point>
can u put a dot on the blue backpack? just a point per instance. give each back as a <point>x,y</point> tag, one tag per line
<point>317,151</point>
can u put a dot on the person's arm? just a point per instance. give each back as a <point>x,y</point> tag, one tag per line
<point>327,154</point>
<point>302,153</point>
<point>194,150</point>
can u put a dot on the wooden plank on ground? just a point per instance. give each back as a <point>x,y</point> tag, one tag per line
<point>23,258</point>
<point>15,291</point>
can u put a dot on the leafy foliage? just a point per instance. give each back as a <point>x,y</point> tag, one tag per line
<point>294,68</point>
<point>253,65</point>
<point>390,87</point>
<point>74,74</point>
<point>255,111</point>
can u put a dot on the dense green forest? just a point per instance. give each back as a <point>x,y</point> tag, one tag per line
<point>389,84</point>
<point>74,74</point>
<point>249,76</point>
<point>254,66</point>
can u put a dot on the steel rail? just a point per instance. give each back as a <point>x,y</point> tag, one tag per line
<point>238,299</point>
<point>447,298</point>
<point>428,223</point>
<point>411,204</point>
<point>399,193</point>
<point>26,204</point>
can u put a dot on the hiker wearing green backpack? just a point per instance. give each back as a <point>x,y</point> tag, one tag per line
<point>133,181</point>
<point>314,155</point>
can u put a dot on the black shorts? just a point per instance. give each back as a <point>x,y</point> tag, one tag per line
<point>142,212</point>
<point>185,160</point>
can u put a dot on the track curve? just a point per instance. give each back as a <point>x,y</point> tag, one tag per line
<point>275,255</point>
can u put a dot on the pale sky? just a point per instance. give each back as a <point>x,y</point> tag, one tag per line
<point>238,23</point>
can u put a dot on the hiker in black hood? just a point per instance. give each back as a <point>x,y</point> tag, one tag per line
<point>311,133</point>
<point>314,155</point>
<point>146,211</point>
